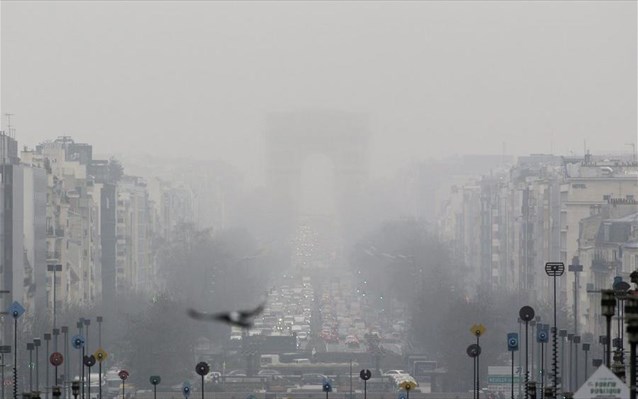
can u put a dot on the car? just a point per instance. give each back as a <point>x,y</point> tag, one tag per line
<point>237,373</point>
<point>392,373</point>
<point>268,372</point>
<point>313,379</point>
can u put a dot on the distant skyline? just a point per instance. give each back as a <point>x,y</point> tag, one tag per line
<point>199,79</point>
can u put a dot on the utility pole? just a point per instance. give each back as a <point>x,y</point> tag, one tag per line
<point>576,268</point>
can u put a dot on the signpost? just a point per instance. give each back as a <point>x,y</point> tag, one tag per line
<point>365,375</point>
<point>89,361</point>
<point>186,389</point>
<point>101,356</point>
<point>56,359</point>
<point>15,310</point>
<point>477,330</point>
<point>123,374</point>
<point>155,380</point>
<point>202,369</point>
<point>526,313</point>
<point>327,387</point>
<point>603,384</point>
<point>512,346</point>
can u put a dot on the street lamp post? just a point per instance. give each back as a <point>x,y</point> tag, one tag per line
<point>47,338</point>
<point>16,310</point>
<point>542,338</point>
<point>570,339</point>
<point>526,313</point>
<point>533,323</point>
<point>99,331</point>
<point>80,326</point>
<point>608,306</point>
<point>586,350</point>
<point>30,348</point>
<point>65,332</point>
<point>478,330</point>
<point>576,268</point>
<point>621,291</point>
<point>472,351</point>
<point>36,343</point>
<point>512,346</point>
<point>4,349</point>
<point>602,340</point>
<point>631,312</point>
<point>562,334</point>
<point>55,332</point>
<point>576,340</point>
<point>54,268</point>
<point>555,269</point>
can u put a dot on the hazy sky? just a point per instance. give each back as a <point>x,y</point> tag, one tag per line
<point>436,78</point>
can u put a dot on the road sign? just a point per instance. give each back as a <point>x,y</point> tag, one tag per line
<point>327,387</point>
<point>16,310</point>
<point>186,389</point>
<point>202,368</point>
<point>56,359</point>
<point>542,335</point>
<point>100,355</point>
<point>512,342</point>
<point>526,313</point>
<point>89,361</point>
<point>603,384</point>
<point>77,341</point>
<point>365,374</point>
<point>473,350</point>
<point>554,269</point>
<point>477,329</point>
<point>407,385</point>
<point>155,379</point>
<point>123,374</point>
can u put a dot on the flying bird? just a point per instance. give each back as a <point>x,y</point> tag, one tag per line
<point>241,318</point>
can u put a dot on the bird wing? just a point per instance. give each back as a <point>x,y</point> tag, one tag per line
<point>253,312</point>
<point>208,316</point>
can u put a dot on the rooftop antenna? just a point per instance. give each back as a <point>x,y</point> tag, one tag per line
<point>9,130</point>
<point>584,147</point>
<point>633,151</point>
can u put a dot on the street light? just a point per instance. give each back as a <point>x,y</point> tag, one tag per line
<point>570,339</point>
<point>555,269</point>
<point>474,351</point>
<point>576,340</point>
<point>608,307</point>
<point>15,310</point>
<point>562,334</point>
<point>30,348</point>
<point>47,338</point>
<point>37,342</point>
<point>202,369</point>
<point>631,312</point>
<point>526,313</point>
<point>99,332</point>
<point>54,268</point>
<point>65,332</point>
<point>4,349</point>
<point>80,326</point>
<point>75,388</point>
<point>576,268</point>
<point>512,346</point>
<point>586,347</point>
